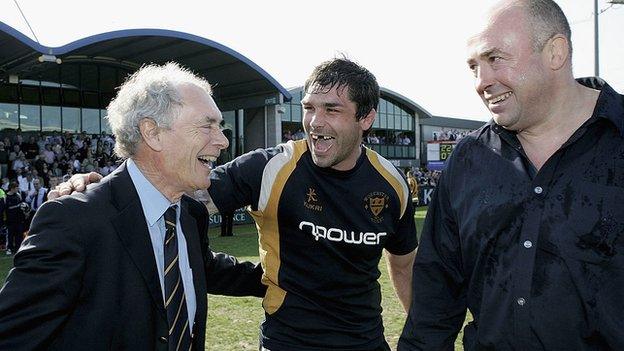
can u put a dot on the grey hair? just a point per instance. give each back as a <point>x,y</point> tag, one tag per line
<point>547,20</point>
<point>151,92</point>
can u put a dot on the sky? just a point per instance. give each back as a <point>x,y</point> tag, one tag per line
<point>415,48</point>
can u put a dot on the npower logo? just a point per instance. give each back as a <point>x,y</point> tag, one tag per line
<point>342,235</point>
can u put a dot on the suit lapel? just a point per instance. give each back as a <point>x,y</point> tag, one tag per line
<point>132,230</point>
<point>191,234</point>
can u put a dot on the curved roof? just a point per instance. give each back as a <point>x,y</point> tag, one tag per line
<point>404,101</point>
<point>233,75</point>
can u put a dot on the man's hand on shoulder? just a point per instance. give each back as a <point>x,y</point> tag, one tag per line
<point>77,183</point>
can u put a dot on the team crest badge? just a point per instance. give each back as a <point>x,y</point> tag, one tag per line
<point>376,203</point>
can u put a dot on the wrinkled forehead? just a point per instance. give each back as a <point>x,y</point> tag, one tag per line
<point>200,101</point>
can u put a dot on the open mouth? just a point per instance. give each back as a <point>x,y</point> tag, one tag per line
<point>500,98</point>
<point>322,143</point>
<point>207,161</point>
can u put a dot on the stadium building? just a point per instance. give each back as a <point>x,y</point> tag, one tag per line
<point>67,88</point>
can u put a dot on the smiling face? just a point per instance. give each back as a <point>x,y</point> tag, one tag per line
<point>193,142</point>
<point>333,133</point>
<point>510,77</point>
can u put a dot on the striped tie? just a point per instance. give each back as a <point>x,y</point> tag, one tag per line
<point>175,300</point>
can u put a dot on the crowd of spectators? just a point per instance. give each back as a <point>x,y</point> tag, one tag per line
<point>393,138</point>
<point>288,135</point>
<point>31,165</point>
<point>424,176</point>
<point>450,135</point>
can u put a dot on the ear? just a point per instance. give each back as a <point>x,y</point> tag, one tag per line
<point>367,121</point>
<point>557,51</point>
<point>151,134</point>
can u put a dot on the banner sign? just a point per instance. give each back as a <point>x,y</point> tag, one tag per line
<point>424,194</point>
<point>241,216</point>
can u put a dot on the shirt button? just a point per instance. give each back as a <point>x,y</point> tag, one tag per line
<point>538,189</point>
<point>521,301</point>
<point>528,244</point>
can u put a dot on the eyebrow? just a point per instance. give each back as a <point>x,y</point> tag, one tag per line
<point>327,104</point>
<point>486,53</point>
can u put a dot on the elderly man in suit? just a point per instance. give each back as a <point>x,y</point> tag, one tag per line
<point>132,271</point>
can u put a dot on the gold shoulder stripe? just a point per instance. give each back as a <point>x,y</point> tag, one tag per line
<point>391,175</point>
<point>274,178</point>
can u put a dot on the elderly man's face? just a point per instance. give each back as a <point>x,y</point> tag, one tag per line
<point>194,141</point>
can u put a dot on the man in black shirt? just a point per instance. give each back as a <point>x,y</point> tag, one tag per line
<point>526,229</point>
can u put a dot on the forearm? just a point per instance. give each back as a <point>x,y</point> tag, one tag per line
<point>400,271</point>
<point>227,276</point>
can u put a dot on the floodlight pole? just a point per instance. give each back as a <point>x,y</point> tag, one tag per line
<point>596,55</point>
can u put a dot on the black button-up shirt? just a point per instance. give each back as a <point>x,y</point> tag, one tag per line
<point>536,256</point>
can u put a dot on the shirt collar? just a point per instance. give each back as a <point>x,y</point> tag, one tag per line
<point>154,203</point>
<point>610,104</point>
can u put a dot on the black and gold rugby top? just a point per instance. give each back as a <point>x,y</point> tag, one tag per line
<point>321,235</point>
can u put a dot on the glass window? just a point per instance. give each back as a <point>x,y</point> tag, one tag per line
<point>30,95</point>
<point>382,105</point>
<point>88,77</point>
<point>376,122</point>
<point>390,108</point>
<point>91,120</point>
<point>30,118</point>
<point>296,95</point>
<point>108,79</point>
<point>90,99</point>
<point>71,97</point>
<point>286,116</point>
<point>106,98</point>
<point>296,113</point>
<point>71,119</point>
<point>51,120</point>
<point>391,119</point>
<point>8,116</point>
<point>69,75</point>
<point>51,96</point>
<point>8,93</point>
<point>105,125</point>
<point>382,121</point>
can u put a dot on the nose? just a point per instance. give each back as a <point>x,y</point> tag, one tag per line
<point>317,119</point>
<point>221,140</point>
<point>484,79</point>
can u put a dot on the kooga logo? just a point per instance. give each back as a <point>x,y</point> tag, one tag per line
<point>335,234</point>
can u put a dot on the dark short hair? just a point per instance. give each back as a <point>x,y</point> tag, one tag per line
<point>362,87</point>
